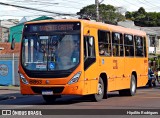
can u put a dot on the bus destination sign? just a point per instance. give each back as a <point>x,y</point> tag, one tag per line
<point>56,27</point>
<point>48,27</point>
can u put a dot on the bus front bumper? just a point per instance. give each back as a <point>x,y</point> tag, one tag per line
<point>73,89</point>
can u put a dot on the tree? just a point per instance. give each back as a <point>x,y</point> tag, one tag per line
<point>141,10</point>
<point>88,11</point>
<point>143,18</point>
<point>129,15</point>
<point>108,13</point>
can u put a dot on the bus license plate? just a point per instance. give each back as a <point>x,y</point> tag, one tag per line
<point>47,92</point>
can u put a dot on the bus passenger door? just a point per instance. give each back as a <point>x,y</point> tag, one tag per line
<point>90,65</point>
<point>118,60</point>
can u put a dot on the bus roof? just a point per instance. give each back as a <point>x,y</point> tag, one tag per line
<point>98,25</point>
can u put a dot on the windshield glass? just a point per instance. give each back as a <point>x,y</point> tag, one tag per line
<point>50,52</point>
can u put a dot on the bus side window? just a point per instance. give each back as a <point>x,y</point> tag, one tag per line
<point>129,45</point>
<point>104,43</point>
<point>139,51</point>
<point>117,44</point>
<point>144,47</point>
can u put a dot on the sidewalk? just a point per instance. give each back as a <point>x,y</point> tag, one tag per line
<point>9,88</point>
<point>9,92</point>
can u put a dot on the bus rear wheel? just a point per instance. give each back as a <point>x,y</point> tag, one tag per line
<point>99,95</point>
<point>132,90</point>
<point>50,98</point>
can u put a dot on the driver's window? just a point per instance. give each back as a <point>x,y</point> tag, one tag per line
<point>89,47</point>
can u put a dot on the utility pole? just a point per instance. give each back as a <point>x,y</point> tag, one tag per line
<point>97,10</point>
<point>97,3</point>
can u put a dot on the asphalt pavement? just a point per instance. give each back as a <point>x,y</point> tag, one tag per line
<point>9,92</point>
<point>13,92</point>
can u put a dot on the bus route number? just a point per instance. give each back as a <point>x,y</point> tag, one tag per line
<point>115,64</point>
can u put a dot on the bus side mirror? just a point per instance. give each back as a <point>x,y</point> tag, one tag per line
<point>13,44</point>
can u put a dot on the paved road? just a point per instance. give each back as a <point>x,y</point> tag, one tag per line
<point>146,98</point>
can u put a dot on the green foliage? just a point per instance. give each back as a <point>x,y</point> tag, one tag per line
<point>129,15</point>
<point>108,13</point>
<point>143,18</point>
<point>88,11</point>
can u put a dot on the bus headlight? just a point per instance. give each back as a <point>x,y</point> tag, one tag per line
<point>75,78</point>
<point>23,79</point>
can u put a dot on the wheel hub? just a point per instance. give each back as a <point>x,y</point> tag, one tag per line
<point>100,89</point>
<point>133,86</point>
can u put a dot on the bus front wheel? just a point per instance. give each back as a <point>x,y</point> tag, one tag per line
<point>99,95</point>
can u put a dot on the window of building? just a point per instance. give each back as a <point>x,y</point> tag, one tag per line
<point>152,41</point>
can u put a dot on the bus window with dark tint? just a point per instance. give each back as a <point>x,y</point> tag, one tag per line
<point>138,46</point>
<point>144,40</point>
<point>128,43</point>
<point>117,44</point>
<point>89,51</point>
<point>104,43</point>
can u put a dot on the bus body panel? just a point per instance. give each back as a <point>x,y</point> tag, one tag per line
<point>117,69</point>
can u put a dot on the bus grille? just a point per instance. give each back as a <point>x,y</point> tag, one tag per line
<point>54,89</point>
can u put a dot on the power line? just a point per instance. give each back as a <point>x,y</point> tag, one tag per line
<point>49,3</point>
<point>6,4</point>
<point>150,3</point>
<point>145,3</point>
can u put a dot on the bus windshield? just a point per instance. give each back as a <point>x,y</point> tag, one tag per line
<point>50,52</point>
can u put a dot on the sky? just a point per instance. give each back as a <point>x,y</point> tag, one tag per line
<point>68,6</point>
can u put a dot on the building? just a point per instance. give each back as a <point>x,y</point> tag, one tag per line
<point>16,31</point>
<point>4,29</point>
<point>153,34</point>
<point>5,49</point>
<point>4,34</point>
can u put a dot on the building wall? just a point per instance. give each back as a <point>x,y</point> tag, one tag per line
<point>16,32</point>
<point>0,34</point>
<point>4,34</point>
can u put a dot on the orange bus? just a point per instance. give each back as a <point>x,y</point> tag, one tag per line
<point>81,57</point>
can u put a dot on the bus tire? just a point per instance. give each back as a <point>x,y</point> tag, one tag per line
<point>132,90</point>
<point>49,98</point>
<point>99,96</point>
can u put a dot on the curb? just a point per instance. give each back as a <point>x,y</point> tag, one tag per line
<point>10,88</point>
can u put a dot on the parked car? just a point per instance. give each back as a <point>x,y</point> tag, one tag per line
<point>151,78</point>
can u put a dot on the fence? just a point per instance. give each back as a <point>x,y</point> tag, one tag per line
<point>9,69</point>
